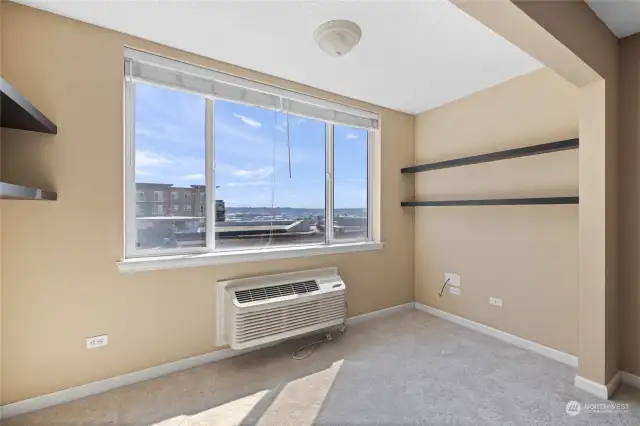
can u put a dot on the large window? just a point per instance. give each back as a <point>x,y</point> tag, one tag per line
<point>264,168</point>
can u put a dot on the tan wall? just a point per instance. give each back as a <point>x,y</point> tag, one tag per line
<point>59,271</point>
<point>592,42</point>
<point>629,162</point>
<point>1,313</point>
<point>526,255</point>
<point>569,38</point>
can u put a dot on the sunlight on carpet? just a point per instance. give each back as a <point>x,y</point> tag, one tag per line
<point>229,414</point>
<point>297,404</point>
<point>300,400</point>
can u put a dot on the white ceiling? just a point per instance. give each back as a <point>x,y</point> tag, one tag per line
<point>413,55</point>
<point>621,16</point>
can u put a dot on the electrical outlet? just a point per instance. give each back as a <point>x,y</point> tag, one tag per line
<point>454,279</point>
<point>97,341</point>
<point>454,290</point>
<point>495,302</point>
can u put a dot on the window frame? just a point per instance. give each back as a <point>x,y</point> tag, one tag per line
<point>133,253</point>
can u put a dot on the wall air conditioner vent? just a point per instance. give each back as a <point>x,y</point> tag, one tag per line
<point>258,310</point>
<point>274,291</point>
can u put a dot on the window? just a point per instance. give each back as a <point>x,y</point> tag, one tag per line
<point>350,177</point>
<point>169,153</point>
<point>139,210</point>
<point>140,196</point>
<point>290,170</point>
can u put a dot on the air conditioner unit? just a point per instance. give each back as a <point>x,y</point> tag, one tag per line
<point>259,310</point>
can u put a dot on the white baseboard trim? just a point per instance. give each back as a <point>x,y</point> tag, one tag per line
<point>380,313</point>
<point>630,379</point>
<point>505,337</point>
<point>596,389</point>
<point>77,392</point>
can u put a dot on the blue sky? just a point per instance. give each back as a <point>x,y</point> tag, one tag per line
<point>252,162</point>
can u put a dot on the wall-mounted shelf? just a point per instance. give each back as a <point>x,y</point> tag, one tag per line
<point>496,156</point>
<point>9,191</point>
<point>494,202</point>
<point>18,113</point>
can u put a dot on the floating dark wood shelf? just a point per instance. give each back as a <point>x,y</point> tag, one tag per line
<point>18,113</point>
<point>494,202</point>
<point>9,191</point>
<point>496,156</point>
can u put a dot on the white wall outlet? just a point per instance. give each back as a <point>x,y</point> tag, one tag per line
<point>495,301</point>
<point>454,290</point>
<point>454,279</point>
<point>97,341</point>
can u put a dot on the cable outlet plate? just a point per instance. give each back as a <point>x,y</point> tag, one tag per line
<point>454,279</point>
<point>97,341</point>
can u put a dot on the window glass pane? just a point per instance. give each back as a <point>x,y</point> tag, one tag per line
<point>258,203</point>
<point>350,183</point>
<point>170,167</point>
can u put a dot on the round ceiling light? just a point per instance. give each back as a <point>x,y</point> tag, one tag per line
<point>337,38</point>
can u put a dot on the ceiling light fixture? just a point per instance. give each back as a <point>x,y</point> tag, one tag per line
<point>337,38</point>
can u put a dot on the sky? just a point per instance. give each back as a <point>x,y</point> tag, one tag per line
<point>251,156</point>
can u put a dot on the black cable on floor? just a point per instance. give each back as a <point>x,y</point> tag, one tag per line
<point>327,337</point>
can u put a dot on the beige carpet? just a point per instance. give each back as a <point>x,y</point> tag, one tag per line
<point>408,368</point>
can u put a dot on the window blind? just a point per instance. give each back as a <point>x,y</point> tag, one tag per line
<point>152,69</point>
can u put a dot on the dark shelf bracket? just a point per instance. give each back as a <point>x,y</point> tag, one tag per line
<point>496,156</point>
<point>494,202</point>
<point>18,113</point>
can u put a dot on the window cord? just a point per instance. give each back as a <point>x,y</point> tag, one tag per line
<point>442,289</point>
<point>328,337</point>
<point>273,179</point>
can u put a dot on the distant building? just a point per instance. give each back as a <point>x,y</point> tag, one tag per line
<point>173,216</point>
<point>161,199</point>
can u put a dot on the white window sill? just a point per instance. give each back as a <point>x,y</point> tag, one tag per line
<point>238,256</point>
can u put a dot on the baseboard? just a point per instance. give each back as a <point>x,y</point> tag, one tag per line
<point>72,394</point>
<point>382,312</point>
<point>620,377</point>
<point>630,379</point>
<point>505,337</point>
<point>596,389</point>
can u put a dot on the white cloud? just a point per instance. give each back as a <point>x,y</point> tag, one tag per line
<point>248,121</point>
<point>250,183</point>
<point>150,158</point>
<point>195,176</point>
<point>281,127</point>
<point>351,136</point>
<point>255,173</point>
